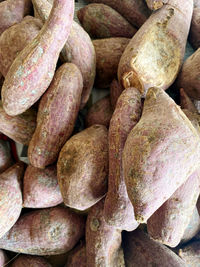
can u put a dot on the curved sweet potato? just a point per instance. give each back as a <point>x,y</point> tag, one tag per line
<point>27,260</point>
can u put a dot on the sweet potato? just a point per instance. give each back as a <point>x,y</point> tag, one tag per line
<point>101,21</point>
<point>12,12</point>
<point>160,153</point>
<point>32,71</point>
<point>100,113</point>
<point>154,55</point>
<point>135,11</point>
<point>3,258</point>
<point>118,209</point>
<point>115,92</point>
<point>140,250</point>
<point>108,53</point>
<point>40,188</point>
<point>20,35</point>
<point>56,117</point>
<point>5,156</point>
<point>103,242</point>
<point>155,4</point>
<point>186,102</point>
<point>77,257</point>
<point>78,49</point>
<point>27,260</point>
<point>19,128</point>
<point>44,232</point>
<point>11,197</point>
<point>190,254</point>
<point>194,36</point>
<point>83,167</point>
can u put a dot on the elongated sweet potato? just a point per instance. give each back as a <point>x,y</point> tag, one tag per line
<point>190,254</point>
<point>15,38</point>
<point>108,54</point>
<point>186,102</point>
<point>5,156</point>
<point>77,257</point>
<point>41,188</point>
<point>118,209</point>
<point>12,12</point>
<point>103,242</point>
<point>33,69</point>
<point>115,92</point>
<point>83,168</point>
<point>100,113</point>
<point>78,49</point>
<point>101,21</point>
<point>11,197</point>
<point>160,153</point>
<point>140,250</point>
<point>44,232</point>
<point>19,128</point>
<point>154,55</point>
<point>155,4</point>
<point>27,260</point>
<point>56,117</point>
<point>3,258</point>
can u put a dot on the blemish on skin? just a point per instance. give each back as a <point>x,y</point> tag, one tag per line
<point>94,224</point>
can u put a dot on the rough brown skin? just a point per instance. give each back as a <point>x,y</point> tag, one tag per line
<point>101,21</point>
<point>19,128</point>
<point>140,250</point>
<point>11,197</point>
<point>78,49</point>
<point>190,254</point>
<point>118,209</point>
<point>20,35</point>
<point>100,113</point>
<point>103,242</point>
<point>186,102</point>
<point>154,55</point>
<point>107,61</point>
<point>194,36</point>
<point>5,156</point>
<point>115,92</point>
<point>167,225</point>
<point>56,117</point>
<point>77,257</point>
<point>31,261</point>
<point>166,148</point>
<point>82,168</point>
<point>135,11</point>
<point>12,12</point>
<point>155,4</point>
<point>45,232</point>
<point>40,188</point>
<point>32,71</point>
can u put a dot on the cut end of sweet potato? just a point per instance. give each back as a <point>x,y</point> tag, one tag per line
<point>130,79</point>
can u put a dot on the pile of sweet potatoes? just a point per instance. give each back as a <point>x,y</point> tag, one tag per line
<point>114,181</point>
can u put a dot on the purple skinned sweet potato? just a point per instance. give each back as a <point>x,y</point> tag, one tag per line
<point>190,254</point>
<point>49,231</point>
<point>27,260</point>
<point>115,92</point>
<point>118,209</point>
<point>40,188</point>
<point>3,258</point>
<point>14,40</point>
<point>11,197</point>
<point>77,257</point>
<point>186,102</point>
<point>155,4</point>
<point>5,156</point>
<point>32,71</point>
<point>160,153</point>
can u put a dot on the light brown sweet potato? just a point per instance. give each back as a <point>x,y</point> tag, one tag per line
<point>3,258</point>
<point>115,92</point>
<point>40,188</point>
<point>15,38</point>
<point>11,197</point>
<point>77,257</point>
<point>154,55</point>
<point>5,156</point>
<point>186,102</point>
<point>160,153</point>
<point>118,209</point>
<point>44,232</point>
<point>19,128</point>
<point>194,36</point>
<point>100,113</point>
<point>56,117</point>
<point>83,168</point>
<point>32,71</point>
<point>31,261</point>
<point>190,254</point>
<point>103,242</point>
<point>108,54</point>
<point>155,4</point>
<point>140,250</point>
<point>101,21</point>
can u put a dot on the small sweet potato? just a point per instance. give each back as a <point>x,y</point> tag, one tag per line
<point>56,117</point>
<point>45,232</point>
<point>118,209</point>
<point>140,250</point>
<point>19,128</point>
<point>83,168</point>
<point>101,21</point>
<point>194,36</point>
<point>190,254</point>
<point>155,4</point>
<point>20,35</point>
<point>100,113</point>
<point>11,197</point>
<point>40,188</point>
<point>186,102</point>
<point>77,257</point>
<point>108,54</point>
<point>115,92</point>
<point>103,242</point>
<point>30,261</point>
<point>5,156</point>
<point>160,153</point>
<point>3,258</point>
<point>32,71</point>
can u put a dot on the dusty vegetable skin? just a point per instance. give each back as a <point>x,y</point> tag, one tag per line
<point>190,254</point>
<point>27,260</point>
<point>5,156</point>
<point>77,257</point>
<point>118,209</point>
<point>154,55</point>
<point>115,92</point>
<point>45,232</point>
<point>33,69</point>
<point>155,4</point>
